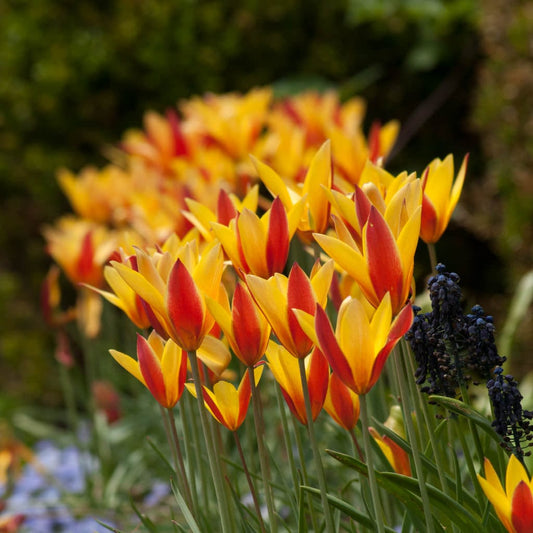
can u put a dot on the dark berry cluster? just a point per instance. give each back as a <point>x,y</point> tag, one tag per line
<point>510,421</point>
<point>451,347</point>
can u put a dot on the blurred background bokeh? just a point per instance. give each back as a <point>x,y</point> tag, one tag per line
<point>74,76</point>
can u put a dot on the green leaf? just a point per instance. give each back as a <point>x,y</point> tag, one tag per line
<point>447,507</point>
<point>460,408</point>
<point>147,523</point>
<point>187,515</point>
<point>347,509</point>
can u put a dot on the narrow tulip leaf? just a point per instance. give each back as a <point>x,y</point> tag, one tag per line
<point>187,515</point>
<point>147,523</point>
<point>447,507</point>
<point>245,512</point>
<point>460,408</point>
<point>431,468</point>
<point>110,528</point>
<point>302,523</point>
<point>347,509</point>
<point>412,502</point>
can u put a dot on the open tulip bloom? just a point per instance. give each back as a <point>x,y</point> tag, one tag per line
<point>360,345</point>
<point>514,505</point>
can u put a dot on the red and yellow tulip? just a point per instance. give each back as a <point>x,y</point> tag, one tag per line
<point>361,344</point>
<point>341,403</point>
<point>161,366</point>
<point>227,404</point>
<point>514,505</point>
<point>175,292</point>
<point>245,327</point>
<point>440,196</point>
<point>386,262</point>
<point>279,295</point>
<point>397,456</point>
<point>256,245</point>
<point>285,368</point>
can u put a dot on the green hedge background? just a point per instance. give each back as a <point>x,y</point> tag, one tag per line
<point>75,75</point>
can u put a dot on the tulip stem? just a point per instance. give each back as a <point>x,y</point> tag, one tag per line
<point>263,458</point>
<point>432,257</point>
<point>179,460</point>
<point>250,482</point>
<point>211,454</point>
<point>408,421</point>
<point>376,503</point>
<point>316,453</point>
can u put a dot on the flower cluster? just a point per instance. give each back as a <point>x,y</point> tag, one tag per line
<point>451,348</point>
<point>511,422</point>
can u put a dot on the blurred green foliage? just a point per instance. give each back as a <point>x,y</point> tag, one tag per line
<point>75,76</point>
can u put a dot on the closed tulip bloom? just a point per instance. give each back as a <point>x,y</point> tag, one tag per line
<point>245,327</point>
<point>256,245</point>
<point>341,403</point>
<point>361,344</point>
<point>286,371</point>
<point>227,404</point>
<point>386,261</point>
<point>397,456</point>
<point>161,366</point>
<point>514,505</point>
<point>175,292</point>
<point>441,194</point>
<point>279,295</point>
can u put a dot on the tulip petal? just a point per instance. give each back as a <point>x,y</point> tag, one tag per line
<point>129,364</point>
<point>330,348</point>
<point>150,367</point>
<point>185,307</point>
<point>277,244</point>
<point>522,509</point>
<point>382,254</point>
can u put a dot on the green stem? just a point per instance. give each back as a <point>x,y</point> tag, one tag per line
<point>187,438</point>
<point>316,453</point>
<point>376,503</point>
<point>303,467</point>
<point>211,452</point>
<point>287,440</point>
<point>180,462</point>
<point>432,257</point>
<point>250,482</point>
<point>404,395</point>
<point>263,458</point>
<point>421,407</point>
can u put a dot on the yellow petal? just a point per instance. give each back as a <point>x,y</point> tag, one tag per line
<point>273,182</point>
<point>129,364</point>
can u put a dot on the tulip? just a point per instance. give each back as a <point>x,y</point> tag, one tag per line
<point>245,327</point>
<point>360,346</point>
<point>175,292</point>
<point>386,262</point>
<point>397,456</point>
<point>228,404</point>
<point>161,367</point>
<point>279,295</point>
<point>514,505</point>
<point>256,245</point>
<point>286,372</point>
<point>440,197</point>
<point>341,403</point>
